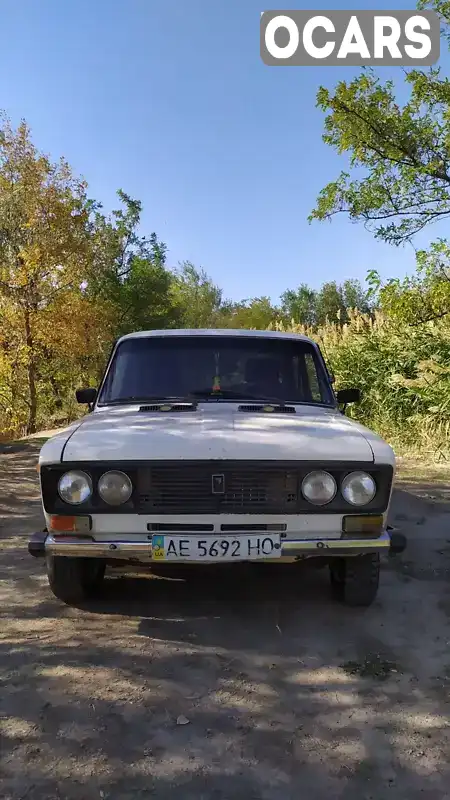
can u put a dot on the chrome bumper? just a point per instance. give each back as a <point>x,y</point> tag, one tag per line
<point>47,544</point>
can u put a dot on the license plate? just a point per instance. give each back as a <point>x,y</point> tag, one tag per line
<point>215,548</point>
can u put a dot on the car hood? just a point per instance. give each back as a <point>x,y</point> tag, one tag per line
<point>216,431</point>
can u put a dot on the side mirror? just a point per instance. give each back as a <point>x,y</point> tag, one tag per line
<point>88,396</point>
<point>347,396</point>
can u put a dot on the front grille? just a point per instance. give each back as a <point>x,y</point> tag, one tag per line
<point>216,487</point>
<point>246,488</point>
<point>178,490</point>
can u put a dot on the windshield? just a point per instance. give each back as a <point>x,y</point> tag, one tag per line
<point>223,368</point>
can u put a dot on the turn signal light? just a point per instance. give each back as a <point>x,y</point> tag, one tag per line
<point>367,525</point>
<point>66,524</point>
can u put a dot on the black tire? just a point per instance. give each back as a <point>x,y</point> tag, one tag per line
<point>355,580</point>
<point>73,580</point>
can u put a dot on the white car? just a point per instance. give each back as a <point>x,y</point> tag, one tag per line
<point>206,446</point>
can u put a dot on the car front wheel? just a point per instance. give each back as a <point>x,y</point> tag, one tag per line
<point>73,580</point>
<point>355,580</point>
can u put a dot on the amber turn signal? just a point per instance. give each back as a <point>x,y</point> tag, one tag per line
<point>66,524</point>
<point>363,525</point>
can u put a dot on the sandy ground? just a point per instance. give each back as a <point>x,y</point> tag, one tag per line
<point>282,693</point>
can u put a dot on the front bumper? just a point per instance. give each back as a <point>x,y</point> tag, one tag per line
<point>43,543</point>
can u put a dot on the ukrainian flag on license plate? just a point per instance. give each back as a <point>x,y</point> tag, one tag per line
<point>158,548</point>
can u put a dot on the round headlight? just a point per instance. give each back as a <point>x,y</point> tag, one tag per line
<point>319,488</point>
<point>358,488</point>
<point>115,488</point>
<point>75,487</point>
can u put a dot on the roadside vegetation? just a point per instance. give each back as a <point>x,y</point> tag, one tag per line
<point>73,278</point>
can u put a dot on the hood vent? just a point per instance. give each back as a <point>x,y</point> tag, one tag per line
<point>268,408</point>
<point>168,407</point>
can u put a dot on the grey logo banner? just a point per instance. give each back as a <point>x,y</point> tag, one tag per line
<point>350,38</point>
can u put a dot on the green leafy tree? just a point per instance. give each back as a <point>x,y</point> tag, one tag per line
<point>398,180</point>
<point>421,297</point>
<point>330,304</point>
<point>300,305</point>
<point>197,300</point>
<point>355,297</point>
<point>129,271</point>
<point>399,156</point>
<point>257,313</point>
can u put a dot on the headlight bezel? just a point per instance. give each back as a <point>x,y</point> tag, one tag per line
<point>130,487</point>
<point>326,474</point>
<point>354,474</point>
<point>79,473</point>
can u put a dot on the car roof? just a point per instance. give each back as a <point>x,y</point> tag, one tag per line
<point>217,332</point>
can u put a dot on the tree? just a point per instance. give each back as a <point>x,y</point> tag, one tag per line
<point>196,298</point>
<point>403,153</point>
<point>128,271</point>
<point>355,297</point>
<point>300,305</point>
<point>332,302</point>
<point>44,236</point>
<point>257,313</point>
<point>421,297</point>
<point>398,182</point>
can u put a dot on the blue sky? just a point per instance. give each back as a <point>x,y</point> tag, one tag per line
<point>169,100</point>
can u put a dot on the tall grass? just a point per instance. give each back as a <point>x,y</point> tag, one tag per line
<point>403,372</point>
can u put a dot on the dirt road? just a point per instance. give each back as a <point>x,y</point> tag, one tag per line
<point>283,694</point>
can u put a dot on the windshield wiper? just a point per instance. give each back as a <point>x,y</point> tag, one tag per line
<point>228,394</point>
